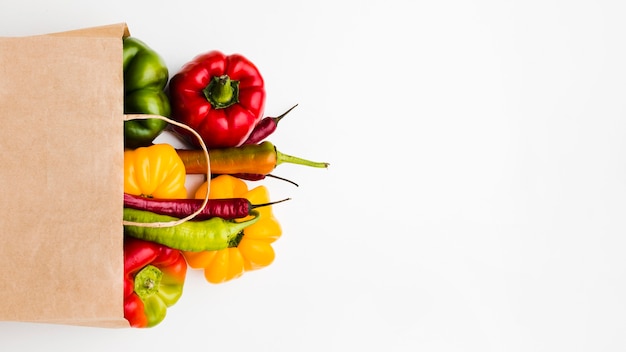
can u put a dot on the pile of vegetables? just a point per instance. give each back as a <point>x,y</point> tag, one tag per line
<point>215,106</point>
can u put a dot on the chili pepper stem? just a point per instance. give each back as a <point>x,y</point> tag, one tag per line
<point>285,158</point>
<point>254,206</point>
<point>282,179</point>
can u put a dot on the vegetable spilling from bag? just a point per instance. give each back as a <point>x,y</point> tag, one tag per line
<point>153,281</point>
<point>226,227</point>
<point>145,78</point>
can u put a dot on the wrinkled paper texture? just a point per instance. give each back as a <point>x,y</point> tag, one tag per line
<point>61,181</point>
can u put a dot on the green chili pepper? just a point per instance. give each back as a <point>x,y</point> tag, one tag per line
<point>145,78</point>
<point>194,236</point>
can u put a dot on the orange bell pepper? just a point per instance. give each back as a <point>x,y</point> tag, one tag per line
<point>254,249</point>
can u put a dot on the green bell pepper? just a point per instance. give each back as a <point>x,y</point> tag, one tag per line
<point>145,78</point>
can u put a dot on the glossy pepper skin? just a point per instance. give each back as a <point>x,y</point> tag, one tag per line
<point>154,172</point>
<point>145,78</point>
<point>154,276</point>
<point>253,159</point>
<point>254,248</point>
<point>222,97</point>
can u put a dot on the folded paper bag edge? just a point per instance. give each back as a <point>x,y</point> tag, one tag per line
<point>105,31</point>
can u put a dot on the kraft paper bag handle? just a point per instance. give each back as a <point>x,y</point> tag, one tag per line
<point>130,117</point>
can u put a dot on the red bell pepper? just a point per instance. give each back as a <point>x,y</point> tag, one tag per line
<point>222,97</point>
<point>153,281</point>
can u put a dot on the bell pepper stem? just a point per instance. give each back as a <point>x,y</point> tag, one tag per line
<point>147,281</point>
<point>285,158</point>
<point>222,92</point>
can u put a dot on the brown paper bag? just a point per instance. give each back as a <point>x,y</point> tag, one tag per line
<point>61,180</point>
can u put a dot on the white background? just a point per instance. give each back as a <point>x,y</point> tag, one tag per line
<point>477,189</point>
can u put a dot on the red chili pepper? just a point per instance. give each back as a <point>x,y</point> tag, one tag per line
<point>259,177</point>
<point>220,96</point>
<point>227,208</point>
<point>265,128</point>
<point>250,177</point>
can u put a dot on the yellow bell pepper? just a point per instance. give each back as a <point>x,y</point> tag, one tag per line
<point>155,171</point>
<point>254,250</point>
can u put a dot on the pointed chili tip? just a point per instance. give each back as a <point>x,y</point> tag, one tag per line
<point>278,118</point>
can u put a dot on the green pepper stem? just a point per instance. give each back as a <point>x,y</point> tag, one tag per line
<point>222,92</point>
<point>284,158</point>
<point>237,227</point>
<point>147,281</point>
<point>233,241</point>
